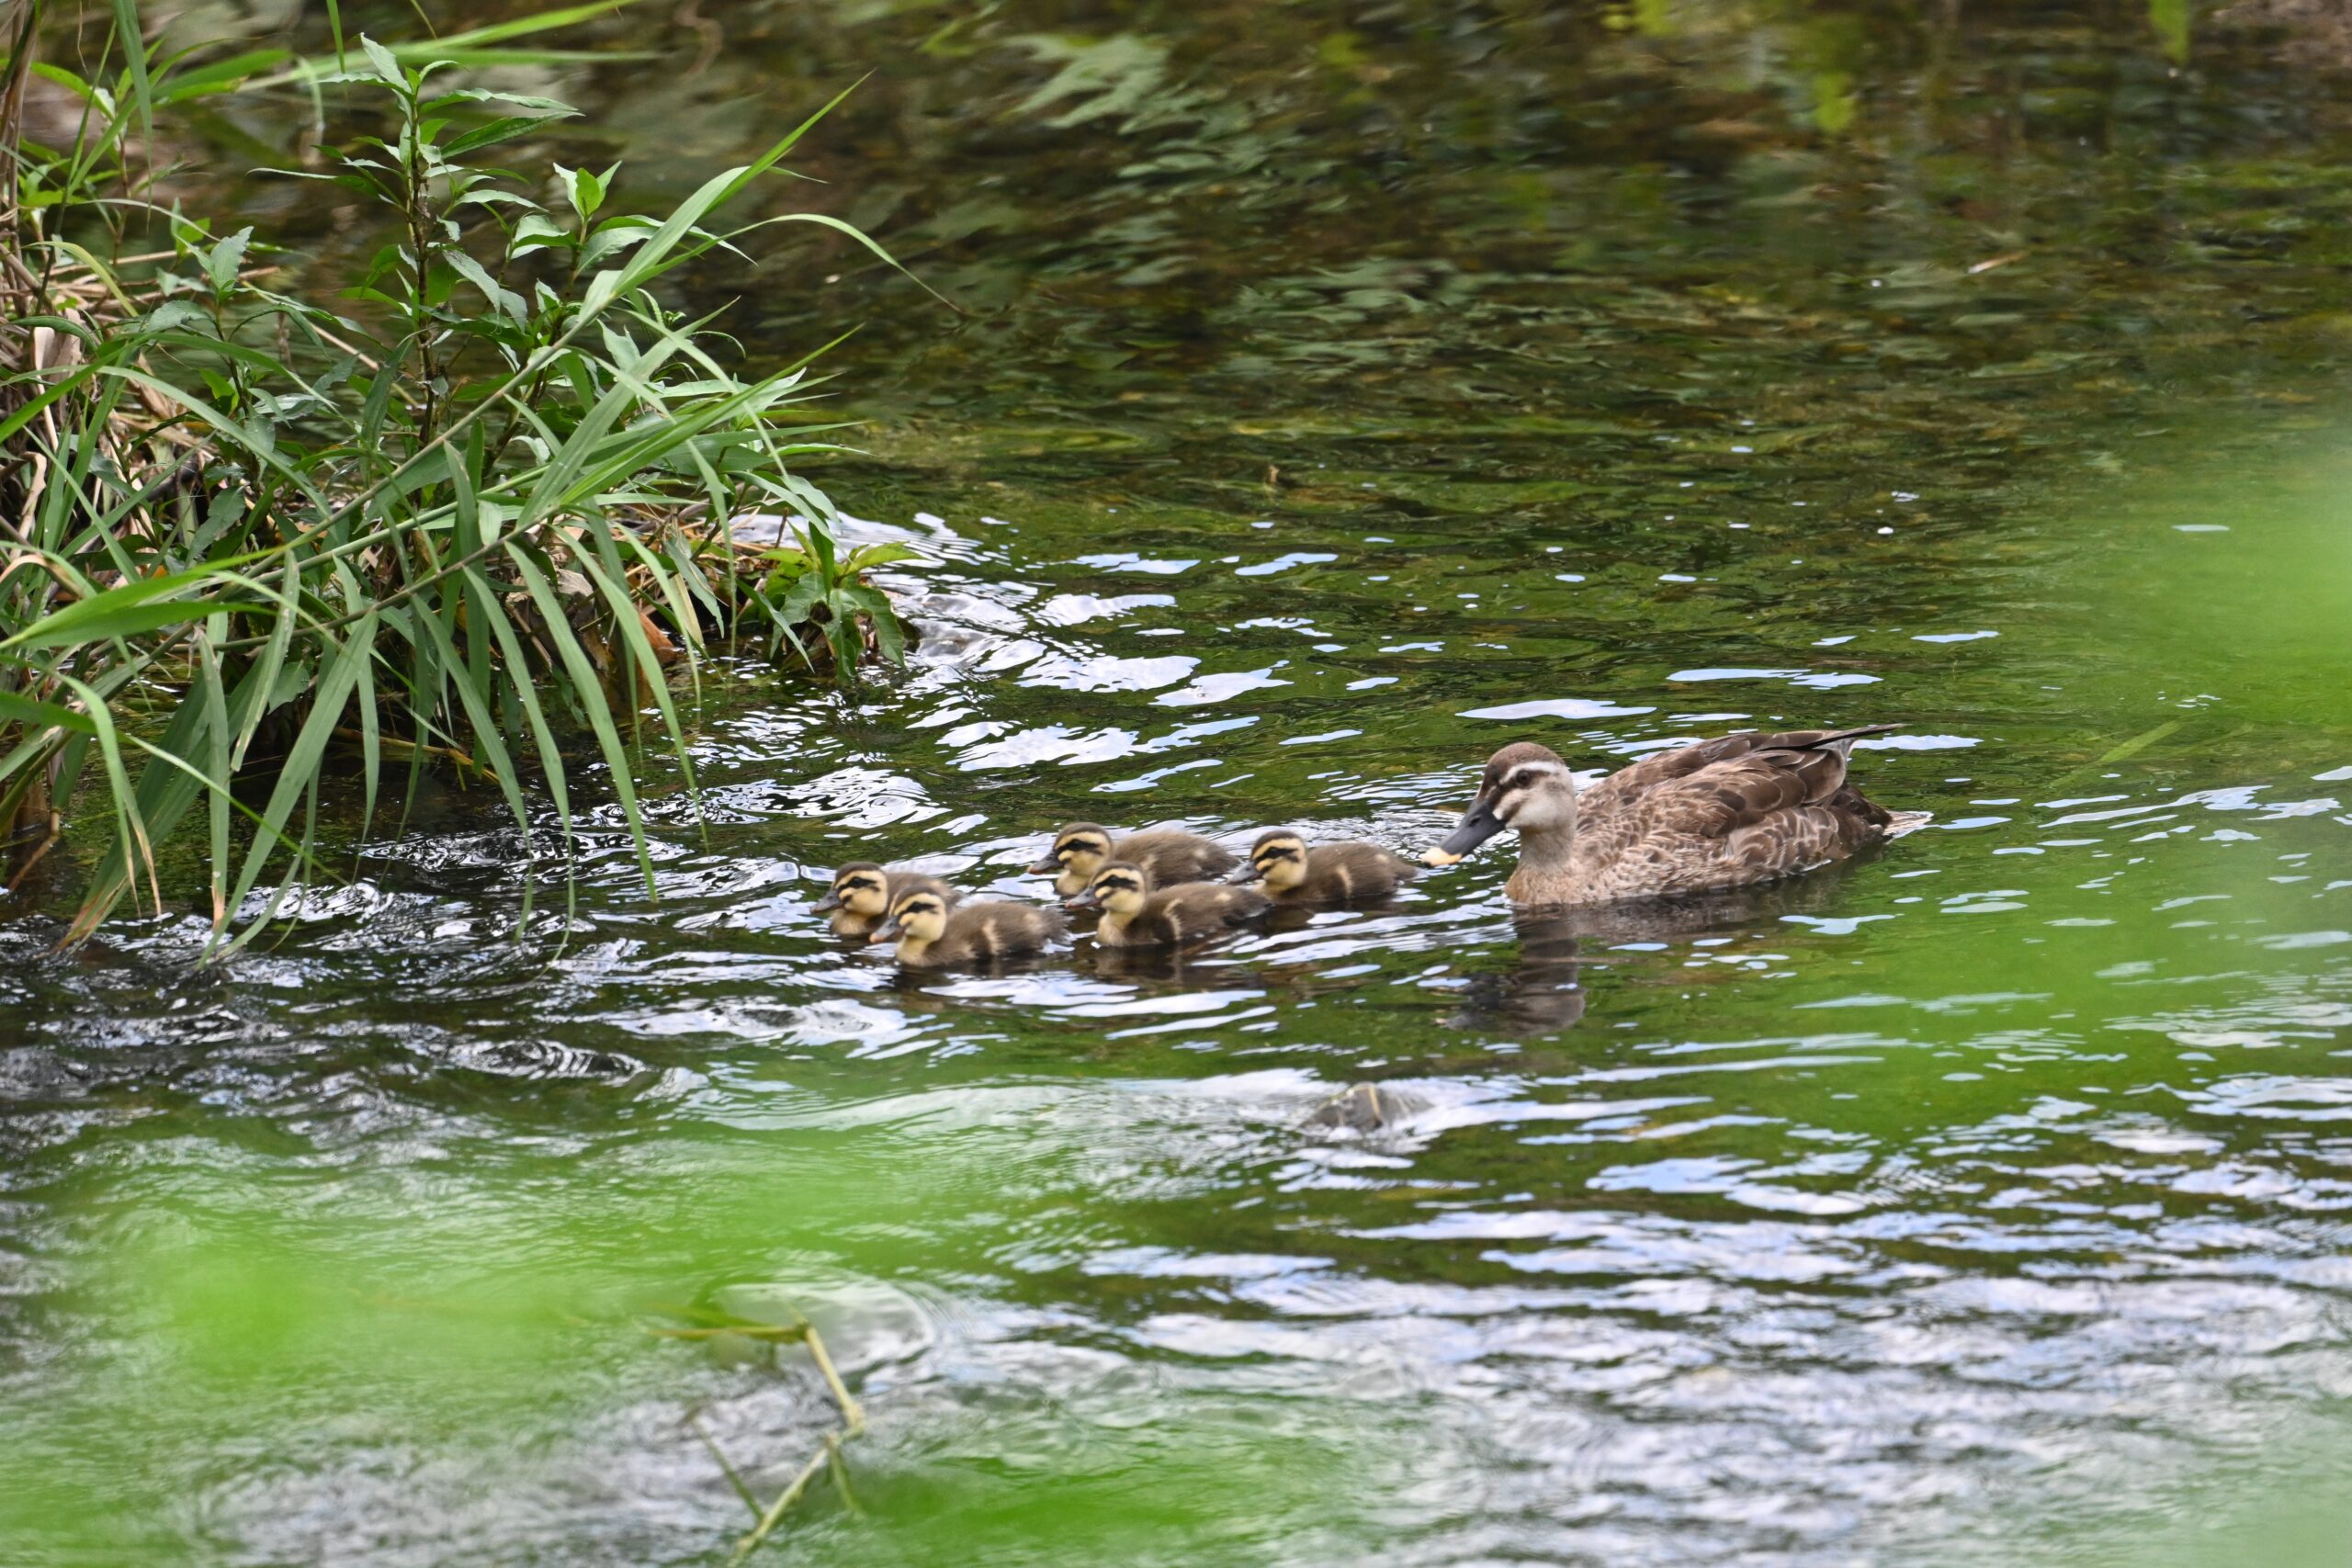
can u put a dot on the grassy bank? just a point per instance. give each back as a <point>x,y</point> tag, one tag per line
<point>468,511</point>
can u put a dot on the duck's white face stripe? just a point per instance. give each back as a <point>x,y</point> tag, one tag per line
<point>1526,775</point>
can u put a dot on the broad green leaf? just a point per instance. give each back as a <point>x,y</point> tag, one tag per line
<point>134,846</point>
<point>506,128</point>
<point>338,677</point>
<point>538,232</point>
<point>521,27</point>
<point>221,264</point>
<point>134,55</point>
<point>502,300</point>
<point>388,67</point>
<point>888,636</point>
<point>20,709</point>
<point>129,611</point>
<point>216,735</point>
<point>881,555</point>
<point>590,693</point>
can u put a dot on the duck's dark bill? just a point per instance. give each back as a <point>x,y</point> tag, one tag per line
<point>1046,867</point>
<point>828,904</point>
<point>888,931</point>
<point>1246,873</point>
<point>1477,825</point>
<point>1082,901</point>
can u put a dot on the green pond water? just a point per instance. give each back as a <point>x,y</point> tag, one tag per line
<point>1344,392</point>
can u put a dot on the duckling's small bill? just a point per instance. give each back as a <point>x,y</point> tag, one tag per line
<point>826,904</point>
<point>888,931</point>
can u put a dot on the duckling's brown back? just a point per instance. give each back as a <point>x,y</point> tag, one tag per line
<point>1339,874</point>
<point>1170,855</point>
<point>1199,910</point>
<point>999,928</point>
<point>905,882</point>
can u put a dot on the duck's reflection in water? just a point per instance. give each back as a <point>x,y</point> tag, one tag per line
<point>1543,992</point>
<point>1037,979</point>
<point>1540,994</point>
<point>1203,966</point>
<point>1088,981</point>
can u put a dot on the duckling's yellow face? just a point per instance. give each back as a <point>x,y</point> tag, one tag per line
<point>1279,860</point>
<point>1078,853</point>
<point>1119,889</point>
<point>1082,848</point>
<point>918,917</point>
<point>862,890</point>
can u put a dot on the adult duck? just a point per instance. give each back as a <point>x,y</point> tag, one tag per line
<point>1722,813</point>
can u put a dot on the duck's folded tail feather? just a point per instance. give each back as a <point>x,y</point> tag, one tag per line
<point>1843,740</point>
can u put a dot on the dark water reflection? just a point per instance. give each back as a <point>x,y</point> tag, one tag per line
<point>1980,1202</point>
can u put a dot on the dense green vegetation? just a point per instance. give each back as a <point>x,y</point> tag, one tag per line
<point>472,505</point>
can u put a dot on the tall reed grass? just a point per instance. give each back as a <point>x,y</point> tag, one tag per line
<point>471,514</point>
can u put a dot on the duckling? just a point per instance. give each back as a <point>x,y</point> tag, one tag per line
<point>1135,916</point>
<point>930,936</point>
<point>1282,866</point>
<point>862,892</point>
<point>1169,854</point>
<point>1363,1108</point>
<point>1723,813</point>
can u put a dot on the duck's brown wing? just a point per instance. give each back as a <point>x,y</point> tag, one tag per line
<point>1170,856</point>
<point>1766,813</point>
<point>1621,789</point>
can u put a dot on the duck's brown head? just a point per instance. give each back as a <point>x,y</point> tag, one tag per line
<point>1526,787</point>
